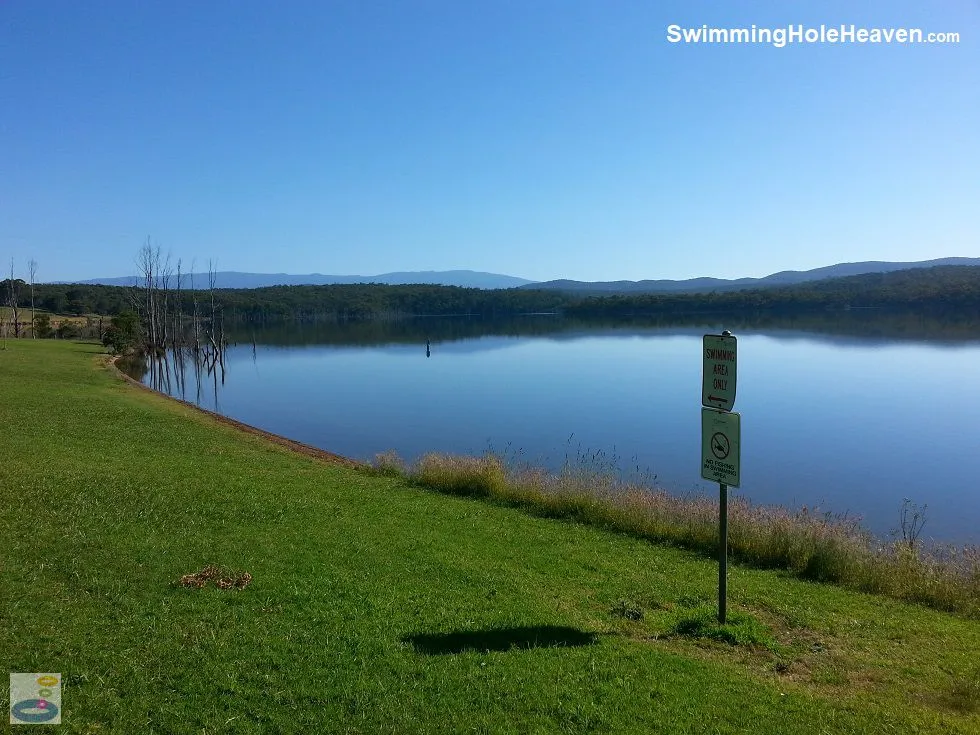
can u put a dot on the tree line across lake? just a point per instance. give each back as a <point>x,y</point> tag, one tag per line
<point>160,306</point>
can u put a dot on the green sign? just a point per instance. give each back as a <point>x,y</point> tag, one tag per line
<point>718,372</point>
<point>720,446</point>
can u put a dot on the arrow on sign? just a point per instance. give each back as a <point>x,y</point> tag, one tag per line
<point>716,398</point>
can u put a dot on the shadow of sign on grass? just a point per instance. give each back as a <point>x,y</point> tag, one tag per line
<point>499,639</point>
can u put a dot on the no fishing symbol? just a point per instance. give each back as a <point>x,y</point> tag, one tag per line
<point>719,445</point>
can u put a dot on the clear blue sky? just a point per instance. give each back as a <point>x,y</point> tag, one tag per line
<point>538,138</point>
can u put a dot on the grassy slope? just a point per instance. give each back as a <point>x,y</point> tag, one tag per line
<point>24,317</point>
<point>109,494</point>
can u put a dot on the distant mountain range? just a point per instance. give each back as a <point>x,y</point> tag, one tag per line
<point>235,279</point>
<point>477,279</point>
<point>783,278</point>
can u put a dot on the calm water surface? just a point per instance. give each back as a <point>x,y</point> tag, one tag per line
<point>844,423</point>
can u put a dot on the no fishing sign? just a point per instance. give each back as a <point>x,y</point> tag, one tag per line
<point>720,443</point>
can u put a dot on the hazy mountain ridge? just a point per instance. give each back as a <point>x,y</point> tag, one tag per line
<point>782,278</point>
<point>479,279</point>
<point>237,279</point>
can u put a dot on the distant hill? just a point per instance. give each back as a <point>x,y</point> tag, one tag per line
<point>235,279</point>
<point>948,289</point>
<point>706,285</point>
<point>952,289</point>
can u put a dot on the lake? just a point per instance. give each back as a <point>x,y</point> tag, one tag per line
<point>846,413</point>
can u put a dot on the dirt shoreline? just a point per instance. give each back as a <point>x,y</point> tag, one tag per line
<point>282,441</point>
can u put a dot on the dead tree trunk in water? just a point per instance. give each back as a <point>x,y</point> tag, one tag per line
<point>212,281</point>
<point>211,355</point>
<point>196,318</point>
<point>178,311</point>
<point>163,288</point>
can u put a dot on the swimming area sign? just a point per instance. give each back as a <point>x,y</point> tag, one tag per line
<point>718,372</point>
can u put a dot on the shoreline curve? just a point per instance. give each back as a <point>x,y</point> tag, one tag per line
<point>278,439</point>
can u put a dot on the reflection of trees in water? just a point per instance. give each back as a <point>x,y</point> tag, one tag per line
<point>192,375</point>
<point>181,372</point>
<point>855,323</point>
<point>872,324</point>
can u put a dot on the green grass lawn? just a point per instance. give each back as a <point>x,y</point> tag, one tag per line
<point>375,606</point>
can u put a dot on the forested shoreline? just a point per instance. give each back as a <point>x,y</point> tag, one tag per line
<point>949,289</point>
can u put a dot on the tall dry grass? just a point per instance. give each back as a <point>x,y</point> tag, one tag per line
<point>815,546</point>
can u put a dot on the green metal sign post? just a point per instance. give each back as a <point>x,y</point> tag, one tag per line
<point>723,554</point>
<point>721,434</point>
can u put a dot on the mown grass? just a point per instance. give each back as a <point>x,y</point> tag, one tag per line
<point>816,547</point>
<point>373,606</point>
<point>739,629</point>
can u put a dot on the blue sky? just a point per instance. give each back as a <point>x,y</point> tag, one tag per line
<point>539,138</point>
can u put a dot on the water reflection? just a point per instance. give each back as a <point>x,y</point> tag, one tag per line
<point>168,372</point>
<point>819,426</point>
<point>856,326</point>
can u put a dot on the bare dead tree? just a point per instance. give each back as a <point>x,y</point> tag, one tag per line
<point>146,262</point>
<point>136,302</point>
<point>165,271</point>
<point>212,278</point>
<point>32,267</point>
<point>178,310</point>
<point>156,297</point>
<point>3,330</point>
<point>197,330</point>
<point>13,301</point>
<point>222,343</point>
